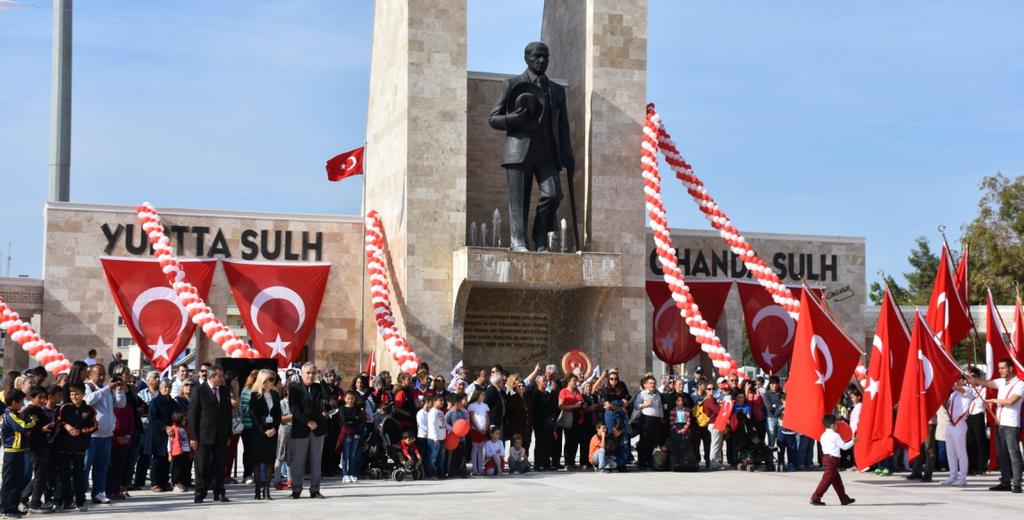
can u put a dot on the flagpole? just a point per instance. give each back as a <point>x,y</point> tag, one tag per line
<point>362,267</point>
<point>976,338</point>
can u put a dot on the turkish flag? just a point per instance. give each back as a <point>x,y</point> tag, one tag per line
<point>824,358</point>
<point>279,303</point>
<point>947,314</point>
<point>371,366</point>
<point>724,417</point>
<point>962,274</point>
<point>345,165</point>
<point>673,342</point>
<point>770,329</point>
<point>996,347</point>
<point>888,356</point>
<point>158,324</point>
<point>1017,339</point>
<point>927,379</point>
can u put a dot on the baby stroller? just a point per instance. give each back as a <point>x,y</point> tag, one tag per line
<point>375,453</point>
<point>408,468</point>
<point>754,453</point>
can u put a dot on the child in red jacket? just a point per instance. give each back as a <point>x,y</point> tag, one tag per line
<point>179,453</point>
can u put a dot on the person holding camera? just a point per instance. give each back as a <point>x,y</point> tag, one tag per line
<point>309,425</point>
<point>104,398</point>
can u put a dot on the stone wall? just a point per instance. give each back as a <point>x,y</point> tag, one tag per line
<point>79,312</point>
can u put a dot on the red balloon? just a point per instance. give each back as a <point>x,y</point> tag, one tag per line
<point>844,430</point>
<point>451,442</point>
<point>461,427</point>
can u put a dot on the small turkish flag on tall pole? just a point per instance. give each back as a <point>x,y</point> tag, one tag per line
<point>345,165</point>
<point>927,379</point>
<point>888,357</point>
<point>947,313</point>
<point>824,358</point>
<point>962,274</point>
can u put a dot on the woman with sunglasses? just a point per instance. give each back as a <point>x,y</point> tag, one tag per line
<point>616,399</point>
<point>517,411</point>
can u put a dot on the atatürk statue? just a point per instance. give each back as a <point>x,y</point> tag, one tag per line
<point>532,112</point>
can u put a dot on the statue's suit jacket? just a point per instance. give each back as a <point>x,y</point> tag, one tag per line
<point>517,140</point>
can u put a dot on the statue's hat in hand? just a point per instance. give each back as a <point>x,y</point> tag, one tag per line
<point>529,96</point>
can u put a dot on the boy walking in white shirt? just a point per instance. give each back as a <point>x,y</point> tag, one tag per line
<point>832,446</point>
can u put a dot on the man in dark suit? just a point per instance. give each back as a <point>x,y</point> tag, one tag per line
<point>209,424</point>
<point>309,425</point>
<point>532,147</point>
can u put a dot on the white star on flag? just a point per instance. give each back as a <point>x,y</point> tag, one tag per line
<point>278,347</point>
<point>667,342</point>
<point>872,387</point>
<point>767,356</point>
<point>160,349</point>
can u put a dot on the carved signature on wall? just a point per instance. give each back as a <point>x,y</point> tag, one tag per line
<point>839,295</point>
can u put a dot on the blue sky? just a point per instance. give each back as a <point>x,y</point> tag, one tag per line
<point>872,119</point>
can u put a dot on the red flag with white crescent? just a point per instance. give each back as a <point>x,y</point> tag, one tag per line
<point>158,324</point>
<point>279,303</point>
<point>345,165</point>
<point>673,342</point>
<point>824,359</point>
<point>770,329</point>
<point>927,379</point>
<point>888,356</point>
<point>947,313</point>
<point>1017,338</point>
<point>963,274</point>
<point>996,347</point>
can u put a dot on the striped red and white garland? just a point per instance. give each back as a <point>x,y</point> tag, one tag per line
<point>24,334</point>
<point>187,294</point>
<point>699,328</point>
<point>380,296</point>
<point>861,373</point>
<point>707,205</point>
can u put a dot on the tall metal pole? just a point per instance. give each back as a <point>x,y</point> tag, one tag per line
<point>60,104</point>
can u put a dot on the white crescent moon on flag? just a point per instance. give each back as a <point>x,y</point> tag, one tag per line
<point>778,312</point>
<point>818,343</point>
<point>348,165</point>
<point>926,366</point>
<point>277,292</point>
<point>877,343</point>
<point>151,295</point>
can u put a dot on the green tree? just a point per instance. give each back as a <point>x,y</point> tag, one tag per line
<point>996,239</point>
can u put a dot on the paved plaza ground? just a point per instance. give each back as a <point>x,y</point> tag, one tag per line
<point>725,494</point>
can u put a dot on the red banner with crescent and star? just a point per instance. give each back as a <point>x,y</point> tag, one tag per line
<point>279,303</point>
<point>156,321</point>
<point>770,329</point>
<point>673,342</point>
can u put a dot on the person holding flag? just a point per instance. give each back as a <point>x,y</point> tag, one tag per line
<point>1008,404</point>
<point>831,447</point>
<point>958,407</point>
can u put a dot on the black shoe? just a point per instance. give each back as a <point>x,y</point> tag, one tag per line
<point>848,502</point>
<point>315,495</point>
<point>817,503</point>
<point>198,500</point>
<point>295,496</point>
<point>913,477</point>
<point>1000,487</point>
<point>266,494</point>
<point>259,494</point>
<point>1016,489</point>
<point>926,479</point>
<point>223,498</point>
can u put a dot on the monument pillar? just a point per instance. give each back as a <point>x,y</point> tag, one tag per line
<point>416,165</point>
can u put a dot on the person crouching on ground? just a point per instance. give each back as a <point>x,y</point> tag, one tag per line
<point>494,453</point>
<point>517,463</point>
<point>831,448</point>
<point>602,459</point>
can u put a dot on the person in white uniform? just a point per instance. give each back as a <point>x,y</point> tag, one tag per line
<point>958,407</point>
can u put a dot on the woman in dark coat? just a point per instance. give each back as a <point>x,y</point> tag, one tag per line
<point>265,409</point>
<point>161,407</point>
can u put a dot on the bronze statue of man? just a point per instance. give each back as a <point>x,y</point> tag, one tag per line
<point>532,112</point>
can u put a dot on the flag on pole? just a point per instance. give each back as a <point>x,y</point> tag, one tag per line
<point>824,358</point>
<point>996,347</point>
<point>888,357</point>
<point>927,379</point>
<point>345,165</point>
<point>1017,339</point>
<point>947,314</point>
<point>962,275</point>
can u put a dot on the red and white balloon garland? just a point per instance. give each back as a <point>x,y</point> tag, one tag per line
<point>380,296</point>
<point>707,205</point>
<point>43,351</point>
<point>187,294</point>
<point>699,328</point>
<point>861,373</point>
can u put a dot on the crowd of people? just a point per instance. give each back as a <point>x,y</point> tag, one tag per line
<point>101,432</point>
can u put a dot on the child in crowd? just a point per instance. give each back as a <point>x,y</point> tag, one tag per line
<point>179,452</point>
<point>76,421</point>
<point>479,423</point>
<point>831,448</point>
<point>409,453</point>
<point>437,430</point>
<point>39,450</point>
<point>15,433</point>
<point>494,452</point>
<point>517,463</point>
<point>352,418</point>
<point>617,445</point>
<point>422,415</point>
<point>602,460</point>
<point>680,417</point>
<point>456,412</point>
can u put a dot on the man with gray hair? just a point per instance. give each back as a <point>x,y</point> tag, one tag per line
<point>309,425</point>
<point>494,396</point>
